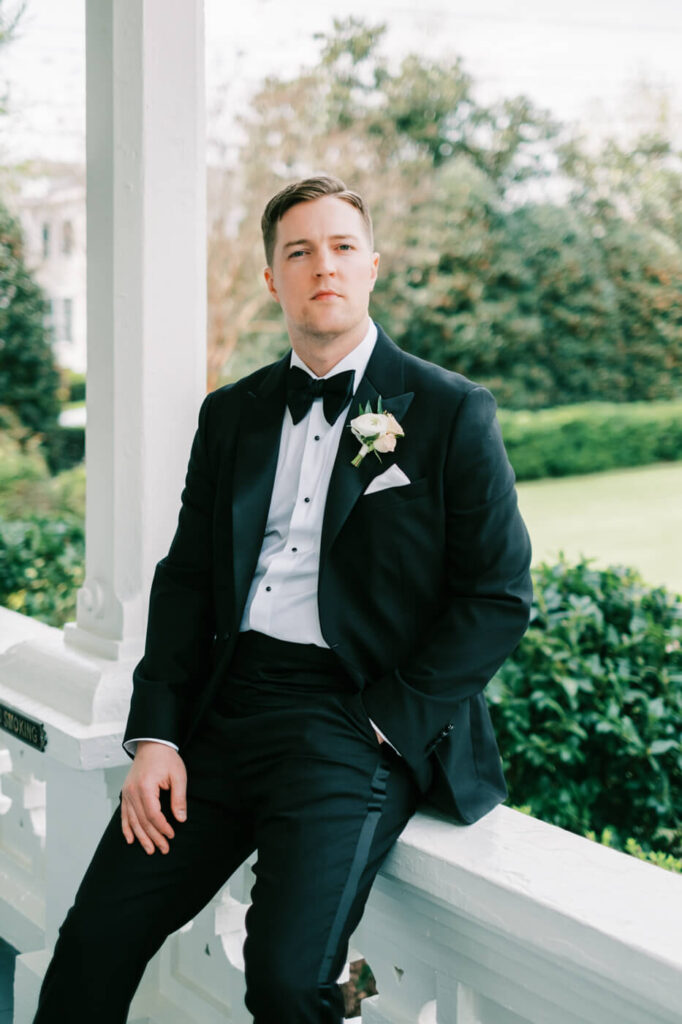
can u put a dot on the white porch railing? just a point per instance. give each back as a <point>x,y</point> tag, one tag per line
<point>506,921</point>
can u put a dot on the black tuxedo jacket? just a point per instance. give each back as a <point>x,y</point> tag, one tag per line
<point>423,589</point>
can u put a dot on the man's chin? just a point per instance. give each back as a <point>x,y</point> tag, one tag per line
<point>327,331</point>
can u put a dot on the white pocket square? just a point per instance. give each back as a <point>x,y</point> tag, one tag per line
<point>392,477</point>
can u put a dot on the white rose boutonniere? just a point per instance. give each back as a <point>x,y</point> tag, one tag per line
<point>376,431</point>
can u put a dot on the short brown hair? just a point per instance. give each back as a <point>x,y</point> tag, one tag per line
<point>303,192</point>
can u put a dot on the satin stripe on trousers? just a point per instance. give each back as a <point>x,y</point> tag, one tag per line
<point>286,763</point>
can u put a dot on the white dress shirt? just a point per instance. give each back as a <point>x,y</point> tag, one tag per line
<point>282,598</point>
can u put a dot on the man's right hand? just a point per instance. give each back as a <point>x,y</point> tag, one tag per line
<point>156,766</point>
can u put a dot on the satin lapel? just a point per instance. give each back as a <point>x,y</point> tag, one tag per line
<point>254,473</point>
<point>347,482</point>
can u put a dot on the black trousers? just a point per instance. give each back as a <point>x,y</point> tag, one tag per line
<point>288,764</point>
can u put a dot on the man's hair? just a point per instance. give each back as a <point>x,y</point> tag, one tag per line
<point>303,192</point>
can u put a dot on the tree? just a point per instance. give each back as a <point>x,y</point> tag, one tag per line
<point>546,302</point>
<point>385,131</point>
<point>28,376</point>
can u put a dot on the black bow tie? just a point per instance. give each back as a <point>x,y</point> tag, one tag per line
<point>302,390</point>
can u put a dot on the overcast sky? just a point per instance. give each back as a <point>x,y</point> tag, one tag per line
<point>581,59</point>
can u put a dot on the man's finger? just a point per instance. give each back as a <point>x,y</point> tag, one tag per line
<point>125,825</point>
<point>150,812</point>
<point>142,837</point>
<point>153,834</point>
<point>178,781</point>
<point>138,815</point>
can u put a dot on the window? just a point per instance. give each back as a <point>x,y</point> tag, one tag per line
<point>67,237</point>
<point>50,319</point>
<point>60,319</point>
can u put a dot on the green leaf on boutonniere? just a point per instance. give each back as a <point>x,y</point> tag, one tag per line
<point>380,407</point>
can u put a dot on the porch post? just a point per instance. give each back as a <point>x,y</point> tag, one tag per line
<point>146,206</point>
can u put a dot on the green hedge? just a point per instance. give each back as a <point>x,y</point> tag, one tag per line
<point>26,483</point>
<point>42,564</point>
<point>587,710</point>
<point>64,447</point>
<point>20,464</point>
<point>76,385</point>
<point>591,438</point>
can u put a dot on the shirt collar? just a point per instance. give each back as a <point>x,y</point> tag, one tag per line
<point>356,359</point>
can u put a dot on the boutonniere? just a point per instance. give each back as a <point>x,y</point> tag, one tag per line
<point>376,431</point>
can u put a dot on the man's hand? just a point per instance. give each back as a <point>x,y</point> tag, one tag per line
<point>156,766</point>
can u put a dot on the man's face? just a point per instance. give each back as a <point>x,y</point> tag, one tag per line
<point>323,269</point>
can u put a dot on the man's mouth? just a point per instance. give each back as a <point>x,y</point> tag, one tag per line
<point>326,293</point>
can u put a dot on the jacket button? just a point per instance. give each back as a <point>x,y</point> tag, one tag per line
<point>226,636</point>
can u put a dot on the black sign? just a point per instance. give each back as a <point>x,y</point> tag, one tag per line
<point>23,728</point>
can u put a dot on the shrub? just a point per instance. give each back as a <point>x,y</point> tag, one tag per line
<point>631,846</point>
<point>27,487</point>
<point>76,386</point>
<point>591,438</point>
<point>64,447</point>
<point>21,460</point>
<point>588,708</point>
<point>42,564</point>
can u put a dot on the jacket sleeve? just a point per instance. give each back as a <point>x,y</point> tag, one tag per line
<point>488,589</point>
<point>180,624</point>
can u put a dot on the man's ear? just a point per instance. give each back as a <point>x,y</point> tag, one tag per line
<point>270,282</point>
<point>375,270</point>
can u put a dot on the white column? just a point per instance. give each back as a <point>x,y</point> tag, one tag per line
<point>146,176</point>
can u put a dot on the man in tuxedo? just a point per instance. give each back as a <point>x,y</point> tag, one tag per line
<point>319,637</point>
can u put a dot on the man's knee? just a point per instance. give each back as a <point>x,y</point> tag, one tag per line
<point>84,930</point>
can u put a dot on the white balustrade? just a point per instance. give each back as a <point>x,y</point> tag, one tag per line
<point>22,843</point>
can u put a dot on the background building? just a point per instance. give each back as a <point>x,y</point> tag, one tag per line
<point>50,203</point>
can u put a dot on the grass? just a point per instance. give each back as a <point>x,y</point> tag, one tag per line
<point>626,516</point>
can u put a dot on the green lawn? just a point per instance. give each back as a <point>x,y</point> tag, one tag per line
<point>628,516</point>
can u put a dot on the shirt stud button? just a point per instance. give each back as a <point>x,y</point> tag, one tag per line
<point>306,499</point>
<point>268,588</point>
<point>317,437</point>
<point>294,549</point>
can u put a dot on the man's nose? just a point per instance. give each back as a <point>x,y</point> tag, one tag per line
<point>324,264</point>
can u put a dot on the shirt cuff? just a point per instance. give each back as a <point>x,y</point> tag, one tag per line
<point>130,746</point>
<point>384,738</point>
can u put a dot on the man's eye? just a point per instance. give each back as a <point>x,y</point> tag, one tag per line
<point>297,252</point>
<point>345,245</point>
